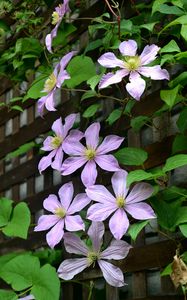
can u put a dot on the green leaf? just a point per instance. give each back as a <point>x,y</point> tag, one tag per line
<point>167,271</point>
<point>170,96</point>
<point>91,110</point>
<point>181,215</point>
<point>21,150</point>
<point>15,99</point>
<point>156,5</point>
<point>180,79</point>
<point>5,211</point>
<point>179,143</point>
<point>131,156</point>
<point>166,58</point>
<point>80,69</point>
<point>17,107</point>
<point>170,10</point>
<point>7,295</point>
<point>149,26</point>
<point>175,161</point>
<point>35,91</point>
<point>170,47</point>
<point>135,229</point>
<point>46,284</point>
<point>88,94</point>
<point>178,21</point>
<point>140,175</point>
<point>184,32</point>
<point>182,120</point>
<point>138,122</point>
<point>19,223</point>
<point>93,81</point>
<point>20,271</point>
<point>114,116</point>
<point>93,45</point>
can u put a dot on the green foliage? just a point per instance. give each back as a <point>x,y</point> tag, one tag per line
<point>114,116</point>
<point>24,271</point>
<point>14,221</point>
<point>131,156</point>
<point>175,161</point>
<point>140,175</point>
<point>138,122</point>
<point>170,96</point>
<point>21,150</point>
<point>182,120</point>
<point>91,110</point>
<point>136,228</point>
<point>8,295</point>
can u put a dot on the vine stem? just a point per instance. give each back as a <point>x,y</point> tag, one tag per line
<point>91,290</point>
<point>23,293</point>
<point>118,17</point>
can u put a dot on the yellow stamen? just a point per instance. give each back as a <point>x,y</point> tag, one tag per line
<point>56,141</point>
<point>120,202</point>
<point>132,63</point>
<point>50,83</point>
<point>90,153</point>
<point>92,257</point>
<point>55,18</point>
<point>60,212</point>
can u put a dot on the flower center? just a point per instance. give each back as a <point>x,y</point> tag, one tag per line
<point>55,18</point>
<point>92,258</point>
<point>90,153</point>
<point>60,212</point>
<point>120,201</point>
<point>50,83</point>
<point>132,63</point>
<point>56,142</point>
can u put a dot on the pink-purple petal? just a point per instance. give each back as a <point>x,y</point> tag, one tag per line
<point>49,103</point>
<point>128,48</point>
<point>136,86</point>
<point>73,244</point>
<point>110,143</point>
<point>99,193</point>
<point>78,203</point>
<point>47,144</point>
<point>112,274</point>
<point>107,162</point>
<point>109,60</point>
<point>139,192</point>
<point>119,224</point>
<point>57,127</point>
<point>89,173</point>
<point>41,105</point>
<point>29,297</point>
<point>100,212</point>
<point>74,223</point>
<point>63,75</point>
<point>96,232</point>
<point>140,211</point>
<point>75,148</point>
<point>92,135</point>
<point>55,235</point>
<point>51,203</point>
<point>117,249</point>
<point>46,161</point>
<point>71,267</point>
<point>74,135</point>
<point>68,123</point>
<point>45,222</point>
<point>149,54</point>
<point>65,60</point>
<point>112,78</point>
<point>66,194</point>
<point>57,162</point>
<point>71,164</point>
<point>119,183</point>
<point>155,72</point>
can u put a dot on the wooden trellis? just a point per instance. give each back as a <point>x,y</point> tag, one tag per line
<point>20,180</point>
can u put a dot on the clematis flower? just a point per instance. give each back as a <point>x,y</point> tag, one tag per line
<point>122,203</point>
<point>62,214</point>
<point>29,297</point>
<point>91,155</point>
<point>73,244</point>
<point>54,81</point>
<point>55,144</point>
<point>133,65</point>
<point>57,16</point>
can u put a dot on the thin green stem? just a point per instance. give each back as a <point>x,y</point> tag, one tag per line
<point>26,291</point>
<point>91,290</point>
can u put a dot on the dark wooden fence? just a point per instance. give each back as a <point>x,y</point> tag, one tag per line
<point>20,180</point>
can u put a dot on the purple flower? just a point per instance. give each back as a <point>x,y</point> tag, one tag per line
<point>91,155</point>
<point>119,204</point>
<point>133,65</point>
<point>29,297</point>
<point>62,216</point>
<point>57,16</point>
<point>73,244</point>
<point>55,144</point>
<point>54,81</point>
